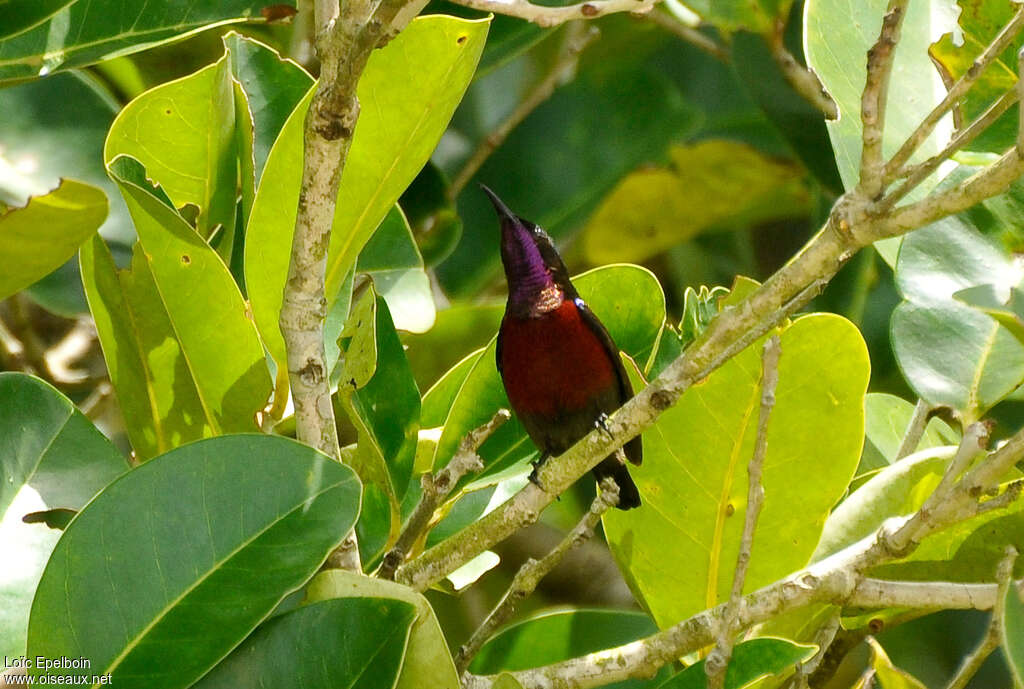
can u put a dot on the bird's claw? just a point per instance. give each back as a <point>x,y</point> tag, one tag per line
<point>602,423</point>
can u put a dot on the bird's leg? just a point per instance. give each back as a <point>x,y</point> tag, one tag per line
<point>602,423</point>
<point>537,464</point>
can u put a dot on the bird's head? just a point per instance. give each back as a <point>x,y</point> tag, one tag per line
<point>537,278</point>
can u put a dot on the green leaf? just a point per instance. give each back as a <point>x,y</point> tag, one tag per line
<point>55,128</point>
<point>51,456</point>
<point>728,16</point>
<point>887,674</point>
<point>630,303</point>
<point>395,265</point>
<point>555,636</point>
<point>37,239</point>
<point>558,165</point>
<point>431,212</point>
<point>428,664</point>
<point>979,23</point>
<point>357,643</point>
<point>751,660</point>
<point>20,15</point>
<point>886,418</point>
<point>713,184</point>
<point>183,356</point>
<point>177,561</point>
<point>267,89</point>
<point>183,133</point>
<point>94,30</point>
<point>693,481</point>
<point>383,403</point>
<point>459,328</point>
<point>414,84</point>
<point>967,551</point>
<point>1008,312</point>
<point>949,353</point>
<point>1013,633</point>
<point>895,490</point>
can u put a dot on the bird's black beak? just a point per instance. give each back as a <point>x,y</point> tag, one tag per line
<point>503,211</point>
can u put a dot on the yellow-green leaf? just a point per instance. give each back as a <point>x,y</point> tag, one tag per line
<point>37,239</point>
<point>693,481</point>
<point>715,184</point>
<point>408,93</point>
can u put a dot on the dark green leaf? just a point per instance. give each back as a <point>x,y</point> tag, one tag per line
<point>20,15</point>
<point>93,30</point>
<point>267,89</point>
<point>176,562</point>
<point>1008,312</point>
<point>51,458</point>
<point>357,643</point>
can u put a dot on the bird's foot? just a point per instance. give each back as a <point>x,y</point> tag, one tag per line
<point>602,423</point>
<point>537,464</point>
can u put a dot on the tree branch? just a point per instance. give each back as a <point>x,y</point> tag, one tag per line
<point>343,45</point>
<point>436,489</point>
<point>530,574</point>
<point>837,579</point>
<point>553,16</point>
<point>915,430</point>
<point>874,99</point>
<point>955,94</point>
<point>717,661</point>
<point>993,635</point>
<point>673,25</point>
<point>803,80</point>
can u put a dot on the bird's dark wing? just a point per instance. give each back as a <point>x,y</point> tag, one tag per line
<point>633,447</point>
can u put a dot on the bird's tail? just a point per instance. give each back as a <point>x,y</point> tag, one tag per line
<point>629,496</point>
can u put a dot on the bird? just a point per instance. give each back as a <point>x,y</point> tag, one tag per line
<point>560,367</point>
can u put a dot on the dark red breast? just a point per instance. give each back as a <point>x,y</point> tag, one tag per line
<point>554,363</point>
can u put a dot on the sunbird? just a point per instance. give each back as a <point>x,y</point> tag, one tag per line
<point>560,367</point>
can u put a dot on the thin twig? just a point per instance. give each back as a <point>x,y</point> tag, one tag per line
<point>916,174</point>
<point>993,635</point>
<point>553,16</point>
<point>875,98</point>
<point>436,488</point>
<point>823,639</point>
<point>718,660</point>
<point>532,571</point>
<point>954,95</point>
<point>22,330</point>
<point>803,79</point>
<point>915,430</point>
<point>578,36</point>
<point>689,34</point>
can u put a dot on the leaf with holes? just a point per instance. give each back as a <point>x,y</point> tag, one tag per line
<point>176,562</point>
<point>37,239</point>
<point>183,356</point>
